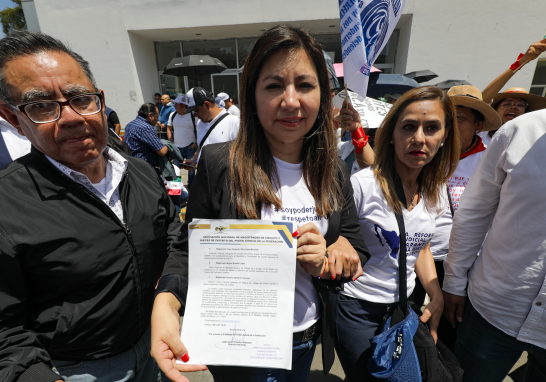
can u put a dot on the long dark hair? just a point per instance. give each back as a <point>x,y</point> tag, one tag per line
<point>434,175</point>
<point>252,168</point>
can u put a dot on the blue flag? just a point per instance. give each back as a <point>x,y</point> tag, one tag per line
<point>366,26</point>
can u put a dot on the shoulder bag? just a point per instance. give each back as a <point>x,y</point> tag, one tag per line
<point>405,351</point>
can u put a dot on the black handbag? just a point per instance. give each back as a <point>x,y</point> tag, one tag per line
<point>436,361</point>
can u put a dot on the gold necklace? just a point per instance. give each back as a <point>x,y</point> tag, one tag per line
<point>472,146</point>
<point>413,196</point>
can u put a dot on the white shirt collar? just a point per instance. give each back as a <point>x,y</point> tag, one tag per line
<point>5,125</point>
<point>118,163</point>
<point>222,112</point>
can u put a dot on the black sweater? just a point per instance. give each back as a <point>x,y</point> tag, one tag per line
<point>210,198</point>
<point>75,282</point>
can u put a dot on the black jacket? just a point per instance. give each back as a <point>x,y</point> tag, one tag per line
<point>210,198</point>
<point>75,282</point>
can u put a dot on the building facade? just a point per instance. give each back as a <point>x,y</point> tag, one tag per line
<point>129,42</point>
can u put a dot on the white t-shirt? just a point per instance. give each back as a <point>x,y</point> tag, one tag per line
<point>380,230</point>
<point>439,245</point>
<point>461,176</point>
<point>16,144</point>
<point>234,110</point>
<point>183,134</point>
<point>102,186</point>
<point>225,131</point>
<point>298,207</point>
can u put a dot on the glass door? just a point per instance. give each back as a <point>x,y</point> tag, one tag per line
<point>226,83</point>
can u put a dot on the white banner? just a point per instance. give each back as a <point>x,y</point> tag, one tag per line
<point>366,26</point>
<point>372,111</point>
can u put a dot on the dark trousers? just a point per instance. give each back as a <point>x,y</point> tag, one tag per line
<point>356,322</point>
<point>487,354</point>
<point>302,357</point>
<point>446,332</point>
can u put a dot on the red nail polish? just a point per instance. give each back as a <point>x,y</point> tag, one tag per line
<point>185,358</point>
<point>356,278</point>
<point>333,277</point>
<point>295,234</point>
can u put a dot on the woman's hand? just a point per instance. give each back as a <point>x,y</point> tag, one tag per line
<point>343,260</point>
<point>166,344</point>
<point>349,117</point>
<point>350,120</point>
<point>311,249</point>
<point>433,313</point>
<point>534,51</point>
<point>426,271</point>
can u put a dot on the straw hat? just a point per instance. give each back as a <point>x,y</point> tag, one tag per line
<point>535,102</point>
<point>471,97</point>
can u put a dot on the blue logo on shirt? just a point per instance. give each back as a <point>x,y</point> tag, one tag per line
<point>390,238</point>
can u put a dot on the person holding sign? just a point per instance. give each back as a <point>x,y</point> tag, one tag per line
<point>417,150</point>
<point>349,119</point>
<point>283,166</point>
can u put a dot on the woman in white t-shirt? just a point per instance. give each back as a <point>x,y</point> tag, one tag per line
<point>417,150</point>
<point>282,166</point>
<point>473,117</point>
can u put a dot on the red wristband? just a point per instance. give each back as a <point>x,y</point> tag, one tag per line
<point>516,64</point>
<point>358,133</point>
<point>359,144</point>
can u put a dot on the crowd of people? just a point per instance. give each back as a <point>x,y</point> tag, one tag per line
<point>94,255</point>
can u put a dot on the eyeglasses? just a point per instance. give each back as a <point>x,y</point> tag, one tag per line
<point>196,109</point>
<point>518,104</point>
<point>50,111</point>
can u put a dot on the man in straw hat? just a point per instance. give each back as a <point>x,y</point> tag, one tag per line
<point>473,116</point>
<point>503,204</point>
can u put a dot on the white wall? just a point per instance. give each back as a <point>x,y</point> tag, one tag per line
<point>116,36</point>
<point>474,40</point>
<point>458,39</point>
<point>96,30</point>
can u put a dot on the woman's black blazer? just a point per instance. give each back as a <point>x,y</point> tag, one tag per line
<point>210,198</point>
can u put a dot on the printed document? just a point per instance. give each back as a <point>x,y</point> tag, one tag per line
<point>240,303</point>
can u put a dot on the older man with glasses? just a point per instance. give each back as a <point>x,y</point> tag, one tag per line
<point>84,231</point>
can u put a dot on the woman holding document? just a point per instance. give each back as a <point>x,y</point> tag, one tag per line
<point>283,166</point>
<point>417,150</point>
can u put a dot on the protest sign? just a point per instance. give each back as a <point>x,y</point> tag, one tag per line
<point>371,111</point>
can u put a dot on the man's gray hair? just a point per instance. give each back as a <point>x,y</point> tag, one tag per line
<point>23,43</point>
